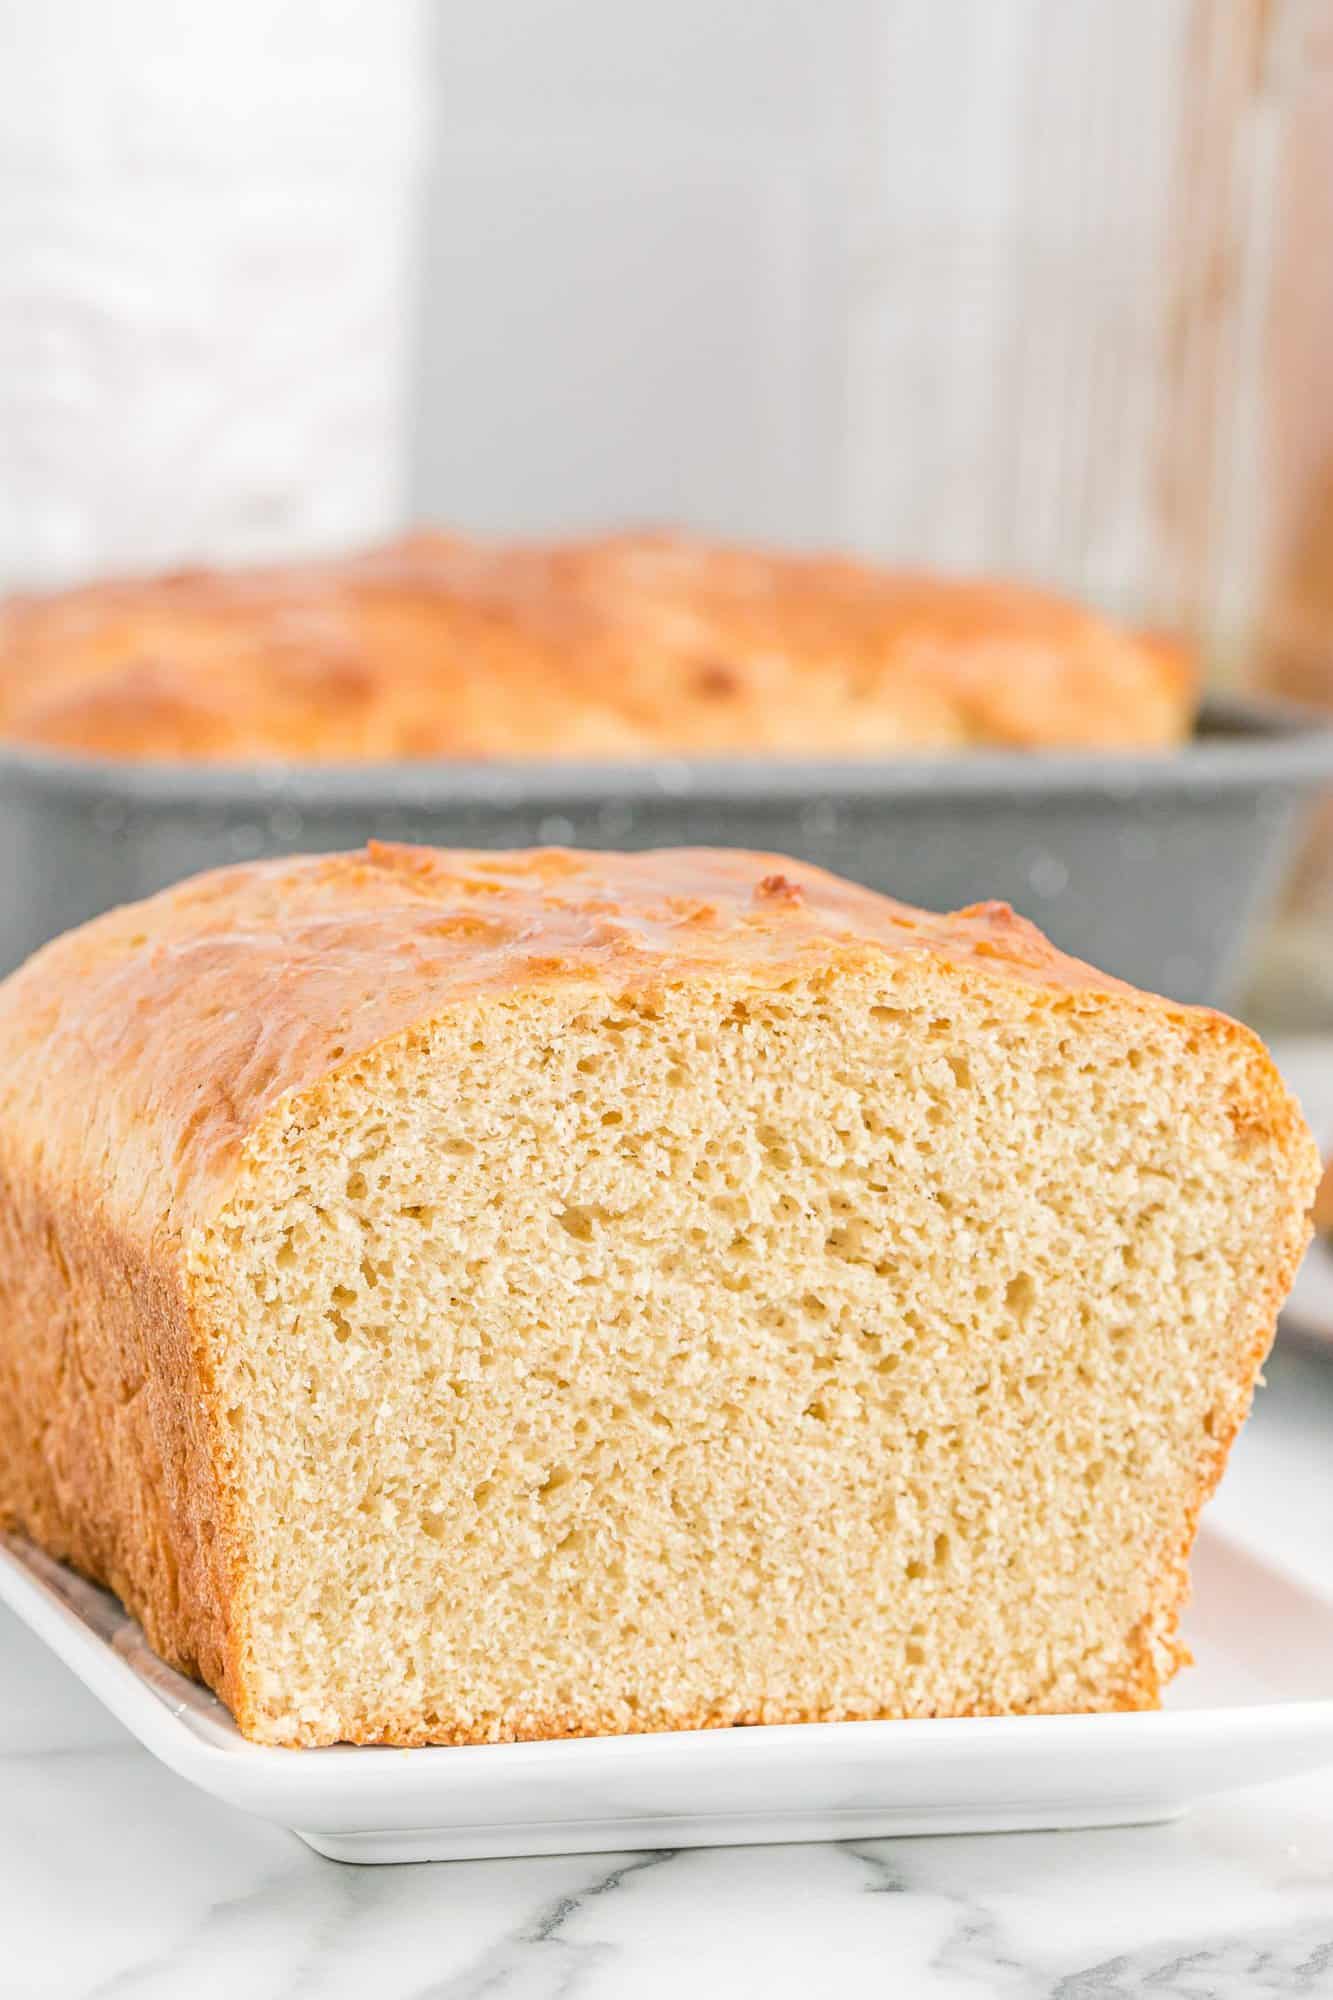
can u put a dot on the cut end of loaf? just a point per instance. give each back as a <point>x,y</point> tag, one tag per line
<point>724,1351</point>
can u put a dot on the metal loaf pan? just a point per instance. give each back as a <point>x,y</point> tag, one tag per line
<point>1154,867</point>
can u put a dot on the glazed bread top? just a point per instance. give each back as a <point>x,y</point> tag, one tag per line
<point>177,1025</point>
<point>625,647</point>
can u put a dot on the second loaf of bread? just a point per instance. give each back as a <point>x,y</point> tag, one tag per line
<point>624,647</point>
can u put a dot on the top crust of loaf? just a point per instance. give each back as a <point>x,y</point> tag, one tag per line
<point>178,1024</point>
<point>621,647</point>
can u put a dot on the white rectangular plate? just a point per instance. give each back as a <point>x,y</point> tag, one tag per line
<point>1257,1706</point>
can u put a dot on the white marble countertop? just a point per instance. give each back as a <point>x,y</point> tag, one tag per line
<point>117,1879</point>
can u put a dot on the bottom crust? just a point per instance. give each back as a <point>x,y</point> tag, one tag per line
<point>1138,1690</point>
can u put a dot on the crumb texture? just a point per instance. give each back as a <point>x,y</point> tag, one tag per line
<point>627,646</point>
<point>725,1297</point>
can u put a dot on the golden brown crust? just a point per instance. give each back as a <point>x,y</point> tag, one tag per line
<point>629,646</point>
<point>106,1452</point>
<point>178,1026</point>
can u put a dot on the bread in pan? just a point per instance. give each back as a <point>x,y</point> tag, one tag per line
<point>620,648</point>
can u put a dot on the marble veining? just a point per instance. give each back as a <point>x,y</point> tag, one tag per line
<point>121,1886</point>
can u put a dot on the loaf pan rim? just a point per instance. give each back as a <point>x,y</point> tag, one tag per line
<point>1246,742</point>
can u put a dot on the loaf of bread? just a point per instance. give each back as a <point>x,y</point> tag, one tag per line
<point>457,1297</point>
<point>625,647</point>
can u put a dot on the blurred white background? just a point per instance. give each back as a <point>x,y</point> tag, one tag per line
<point>976,282</point>
<point>898,274</point>
<point>209,257</point>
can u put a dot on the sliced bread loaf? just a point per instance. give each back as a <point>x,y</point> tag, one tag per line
<point>456,1297</point>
